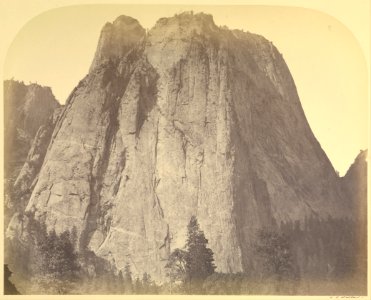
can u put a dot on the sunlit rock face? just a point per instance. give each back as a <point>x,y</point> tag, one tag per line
<point>186,119</point>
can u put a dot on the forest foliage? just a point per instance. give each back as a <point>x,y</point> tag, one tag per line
<point>45,262</point>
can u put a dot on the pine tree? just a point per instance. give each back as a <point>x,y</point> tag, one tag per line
<point>128,281</point>
<point>68,266</point>
<point>199,258</point>
<point>138,287</point>
<point>121,282</point>
<point>146,283</point>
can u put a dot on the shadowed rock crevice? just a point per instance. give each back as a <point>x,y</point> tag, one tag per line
<point>116,82</point>
<point>147,95</point>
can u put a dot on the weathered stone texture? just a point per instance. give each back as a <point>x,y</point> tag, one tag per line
<point>189,119</point>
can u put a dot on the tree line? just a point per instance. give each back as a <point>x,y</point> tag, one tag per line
<point>48,263</point>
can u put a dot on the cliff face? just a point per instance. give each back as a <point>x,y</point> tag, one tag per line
<point>189,119</point>
<point>355,180</point>
<point>355,188</point>
<point>27,177</point>
<point>27,108</point>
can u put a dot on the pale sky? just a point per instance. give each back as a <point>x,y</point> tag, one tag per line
<point>326,62</point>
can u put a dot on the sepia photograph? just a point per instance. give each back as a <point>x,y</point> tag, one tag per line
<point>185,150</point>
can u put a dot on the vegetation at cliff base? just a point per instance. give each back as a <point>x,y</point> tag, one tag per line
<point>190,267</point>
<point>47,262</point>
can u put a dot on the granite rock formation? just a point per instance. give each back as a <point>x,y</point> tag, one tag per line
<point>355,188</point>
<point>187,119</point>
<point>355,181</point>
<point>27,108</point>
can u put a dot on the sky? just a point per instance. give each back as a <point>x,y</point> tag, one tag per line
<point>56,49</point>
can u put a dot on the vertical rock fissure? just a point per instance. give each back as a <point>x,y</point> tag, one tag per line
<point>112,103</point>
<point>232,155</point>
<point>160,210</point>
<point>184,149</point>
<point>222,140</point>
<point>178,81</point>
<point>96,182</point>
<point>147,95</point>
<point>200,164</point>
<point>156,181</point>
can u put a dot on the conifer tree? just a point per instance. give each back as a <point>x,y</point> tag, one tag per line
<point>146,283</point>
<point>120,282</point>
<point>138,287</point>
<point>128,281</point>
<point>199,258</point>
